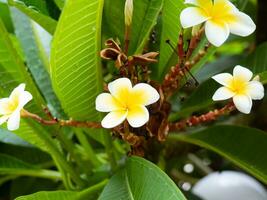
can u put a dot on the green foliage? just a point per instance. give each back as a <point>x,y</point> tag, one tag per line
<point>75,64</point>
<point>241,145</point>
<point>45,21</point>
<point>257,62</point>
<point>170,30</point>
<point>66,74</point>
<point>140,179</point>
<point>33,50</point>
<point>12,166</point>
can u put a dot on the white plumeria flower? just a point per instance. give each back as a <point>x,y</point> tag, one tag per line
<point>221,18</point>
<point>240,87</point>
<point>11,107</point>
<point>126,102</point>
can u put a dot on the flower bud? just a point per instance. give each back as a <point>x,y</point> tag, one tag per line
<point>128,12</point>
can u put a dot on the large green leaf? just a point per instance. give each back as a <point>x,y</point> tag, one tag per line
<point>171,28</point>
<point>13,166</point>
<point>45,21</point>
<point>75,61</point>
<point>35,60</point>
<point>257,62</point>
<point>241,145</point>
<point>141,179</point>
<point>90,193</point>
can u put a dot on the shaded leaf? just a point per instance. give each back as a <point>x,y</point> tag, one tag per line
<point>45,21</point>
<point>243,146</point>
<point>140,179</point>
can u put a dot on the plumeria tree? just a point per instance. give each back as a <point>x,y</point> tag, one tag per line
<point>129,99</point>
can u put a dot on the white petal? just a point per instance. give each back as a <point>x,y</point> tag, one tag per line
<point>256,90</point>
<point>4,106</point>
<point>216,32</point>
<point>242,73</point>
<point>144,94</point>
<point>18,89</point>
<point>243,103</point>
<point>24,98</point>
<point>223,93</point>
<point>120,88</point>
<point>13,121</point>
<point>192,16</point>
<point>242,25</point>
<point>3,119</point>
<point>114,119</point>
<point>223,78</point>
<point>106,103</point>
<point>138,116</point>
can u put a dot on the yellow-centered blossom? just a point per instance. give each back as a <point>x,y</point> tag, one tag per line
<point>221,18</point>
<point>11,107</point>
<point>126,102</point>
<point>240,87</point>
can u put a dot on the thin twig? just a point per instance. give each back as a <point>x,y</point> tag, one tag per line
<point>56,121</point>
<point>208,117</point>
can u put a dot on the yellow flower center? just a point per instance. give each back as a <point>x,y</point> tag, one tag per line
<point>219,12</point>
<point>12,104</point>
<point>238,85</point>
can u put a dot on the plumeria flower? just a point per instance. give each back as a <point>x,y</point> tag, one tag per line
<point>221,18</point>
<point>240,87</point>
<point>126,102</point>
<point>11,107</point>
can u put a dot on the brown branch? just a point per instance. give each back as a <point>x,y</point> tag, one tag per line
<point>56,121</point>
<point>197,120</point>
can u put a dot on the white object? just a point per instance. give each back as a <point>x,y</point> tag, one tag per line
<point>240,86</point>
<point>229,185</point>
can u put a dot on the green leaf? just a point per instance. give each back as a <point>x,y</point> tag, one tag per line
<point>171,28</point>
<point>45,21</point>
<point>60,3</point>
<point>25,153</point>
<point>88,194</point>
<point>33,52</point>
<point>5,15</point>
<point>243,146</point>
<point>144,19</point>
<point>140,179</point>
<point>257,62</point>
<point>13,166</point>
<point>75,61</point>
<point>113,19</point>
<point>199,99</point>
<point>57,195</point>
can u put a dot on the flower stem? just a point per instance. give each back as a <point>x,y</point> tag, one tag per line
<point>196,120</point>
<point>60,122</point>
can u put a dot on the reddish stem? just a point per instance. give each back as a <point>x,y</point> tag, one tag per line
<point>208,117</point>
